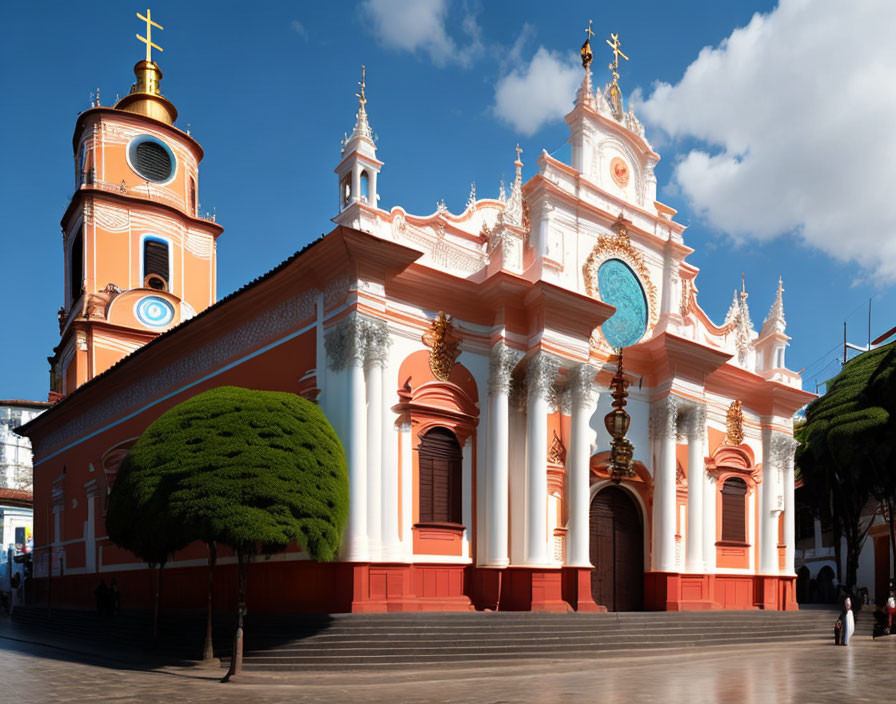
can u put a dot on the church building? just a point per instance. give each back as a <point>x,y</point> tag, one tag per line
<point>537,414</point>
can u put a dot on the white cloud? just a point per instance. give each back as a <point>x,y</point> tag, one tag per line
<point>421,24</point>
<point>797,113</point>
<point>299,29</point>
<point>529,97</point>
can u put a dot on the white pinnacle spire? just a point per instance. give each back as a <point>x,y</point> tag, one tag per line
<point>362,129</point>
<point>774,321</point>
<point>513,211</point>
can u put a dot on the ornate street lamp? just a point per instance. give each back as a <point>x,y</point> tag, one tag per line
<point>617,422</point>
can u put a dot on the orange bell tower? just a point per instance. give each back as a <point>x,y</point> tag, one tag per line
<point>139,258</point>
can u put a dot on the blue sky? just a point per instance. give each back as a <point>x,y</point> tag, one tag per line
<point>268,90</point>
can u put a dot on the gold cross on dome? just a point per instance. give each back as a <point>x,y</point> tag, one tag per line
<point>362,98</point>
<point>148,39</point>
<point>617,52</point>
<point>590,33</point>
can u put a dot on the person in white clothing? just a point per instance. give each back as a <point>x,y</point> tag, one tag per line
<point>848,621</point>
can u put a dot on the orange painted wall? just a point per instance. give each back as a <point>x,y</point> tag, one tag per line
<point>277,369</point>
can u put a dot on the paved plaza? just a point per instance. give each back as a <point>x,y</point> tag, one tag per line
<point>863,672</point>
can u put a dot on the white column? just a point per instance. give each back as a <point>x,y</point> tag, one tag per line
<point>407,489</point>
<point>466,493</point>
<point>709,522</point>
<point>356,183</point>
<point>540,375</point>
<point>345,350</point>
<point>663,426</point>
<point>371,187</point>
<point>391,488</point>
<point>497,519</point>
<point>774,448</point>
<point>578,465</point>
<point>789,518</point>
<point>696,430</point>
<point>374,372</point>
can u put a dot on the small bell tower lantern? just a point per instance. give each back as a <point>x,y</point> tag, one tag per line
<point>357,172</point>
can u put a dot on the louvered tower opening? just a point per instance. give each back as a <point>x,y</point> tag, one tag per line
<point>155,264</point>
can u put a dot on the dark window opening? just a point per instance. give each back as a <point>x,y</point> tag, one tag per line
<point>193,194</point>
<point>152,161</point>
<point>734,510</point>
<point>76,264</point>
<point>155,264</point>
<point>441,469</point>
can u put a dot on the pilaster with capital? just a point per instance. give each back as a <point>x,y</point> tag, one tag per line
<point>777,448</point>
<point>541,373</point>
<point>502,360</point>
<point>694,426</point>
<point>663,422</point>
<point>583,397</point>
<point>777,453</point>
<point>351,345</point>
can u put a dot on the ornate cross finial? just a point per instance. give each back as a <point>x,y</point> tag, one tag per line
<point>519,151</point>
<point>614,45</point>
<point>743,286</point>
<point>362,97</point>
<point>585,51</point>
<point>148,39</point>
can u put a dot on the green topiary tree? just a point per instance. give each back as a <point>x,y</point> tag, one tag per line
<point>137,517</point>
<point>254,470</point>
<point>849,447</point>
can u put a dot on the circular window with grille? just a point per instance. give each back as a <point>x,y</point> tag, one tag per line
<point>151,159</point>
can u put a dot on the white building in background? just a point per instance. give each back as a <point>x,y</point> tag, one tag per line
<point>15,450</point>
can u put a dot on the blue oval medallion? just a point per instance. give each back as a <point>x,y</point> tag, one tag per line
<point>620,287</point>
<point>154,311</point>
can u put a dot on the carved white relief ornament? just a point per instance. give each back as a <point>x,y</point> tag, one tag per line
<point>664,417</point>
<point>357,340</point>
<point>502,360</point>
<point>541,373</point>
<point>582,389</point>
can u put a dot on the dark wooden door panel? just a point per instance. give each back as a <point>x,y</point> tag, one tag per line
<point>617,551</point>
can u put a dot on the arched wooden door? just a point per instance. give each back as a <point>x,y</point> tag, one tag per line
<point>617,551</point>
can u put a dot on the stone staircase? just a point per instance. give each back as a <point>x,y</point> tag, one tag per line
<point>396,640</point>
<point>343,641</point>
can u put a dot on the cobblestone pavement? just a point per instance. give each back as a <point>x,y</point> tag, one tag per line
<point>862,672</point>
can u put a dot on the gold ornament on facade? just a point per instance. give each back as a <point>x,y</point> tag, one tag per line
<point>444,346</point>
<point>617,422</point>
<point>585,51</point>
<point>557,453</point>
<point>620,247</point>
<point>734,424</point>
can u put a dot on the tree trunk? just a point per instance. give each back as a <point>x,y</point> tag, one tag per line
<point>837,535</point>
<point>853,547</point>
<point>208,652</point>
<point>891,504</point>
<point>236,659</point>
<point>157,602</point>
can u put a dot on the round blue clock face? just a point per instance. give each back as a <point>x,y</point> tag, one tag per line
<point>154,311</point>
<point>620,287</point>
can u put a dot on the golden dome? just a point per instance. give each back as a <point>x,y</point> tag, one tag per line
<point>145,97</point>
